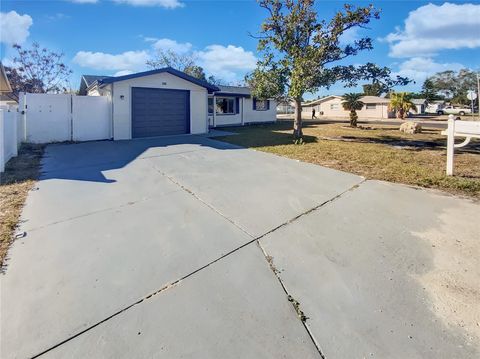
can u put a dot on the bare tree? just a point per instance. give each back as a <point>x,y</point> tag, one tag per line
<point>37,70</point>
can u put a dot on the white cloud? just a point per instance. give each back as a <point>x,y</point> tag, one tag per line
<point>229,63</point>
<point>169,4</point>
<point>419,68</point>
<point>123,73</point>
<point>432,28</point>
<point>14,27</point>
<point>226,62</point>
<point>350,36</point>
<point>132,60</point>
<point>168,44</point>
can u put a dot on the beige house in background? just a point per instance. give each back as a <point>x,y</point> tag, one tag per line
<point>331,106</point>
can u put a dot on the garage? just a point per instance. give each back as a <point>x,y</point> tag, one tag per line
<point>160,112</point>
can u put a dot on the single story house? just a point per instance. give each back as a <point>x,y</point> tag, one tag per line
<point>331,106</point>
<point>169,102</point>
<point>421,105</point>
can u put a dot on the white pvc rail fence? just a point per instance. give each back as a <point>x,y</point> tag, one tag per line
<point>457,128</point>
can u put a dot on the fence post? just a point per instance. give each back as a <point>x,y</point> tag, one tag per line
<point>450,144</point>
<point>2,142</point>
<point>13,118</point>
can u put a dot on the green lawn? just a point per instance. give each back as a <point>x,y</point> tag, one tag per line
<point>375,152</point>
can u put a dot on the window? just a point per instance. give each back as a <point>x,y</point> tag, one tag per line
<point>210,105</point>
<point>334,106</point>
<point>370,106</point>
<point>225,105</point>
<point>261,105</point>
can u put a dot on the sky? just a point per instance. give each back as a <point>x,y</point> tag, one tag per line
<point>115,37</point>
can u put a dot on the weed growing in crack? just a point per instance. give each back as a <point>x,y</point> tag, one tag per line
<point>296,305</point>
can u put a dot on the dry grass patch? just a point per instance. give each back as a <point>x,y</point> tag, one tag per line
<point>20,174</point>
<point>375,152</point>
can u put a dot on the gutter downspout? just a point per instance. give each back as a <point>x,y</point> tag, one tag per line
<point>214,110</point>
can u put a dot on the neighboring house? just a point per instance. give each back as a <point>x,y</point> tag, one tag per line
<point>6,101</point>
<point>284,108</point>
<point>169,102</point>
<point>421,105</point>
<point>88,85</point>
<point>435,106</point>
<point>331,106</point>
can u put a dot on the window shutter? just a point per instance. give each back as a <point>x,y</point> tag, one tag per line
<point>237,104</point>
<point>254,103</point>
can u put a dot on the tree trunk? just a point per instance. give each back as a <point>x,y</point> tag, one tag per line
<point>297,121</point>
<point>353,118</point>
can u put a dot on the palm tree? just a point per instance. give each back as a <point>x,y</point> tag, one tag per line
<point>401,103</point>
<point>351,102</point>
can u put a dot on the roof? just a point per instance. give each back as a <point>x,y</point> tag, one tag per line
<point>320,100</point>
<point>183,75</point>
<point>87,81</point>
<point>419,101</point>
<point>4,83</point>
<point>375,99</point>
<point>6,98</point>
<point>241,91</point>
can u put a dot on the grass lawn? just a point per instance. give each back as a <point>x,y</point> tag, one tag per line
<point>373,151</point>
<point>20,175</point>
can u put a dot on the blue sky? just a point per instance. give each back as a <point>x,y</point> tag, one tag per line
<point>414,38</point>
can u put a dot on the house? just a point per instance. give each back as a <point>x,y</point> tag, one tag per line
<point>285,107</point>
<point>169,102</point>
<point>6,101</point>
<point>88,82</point>
<point>421,105</point>
<point>331,106</point>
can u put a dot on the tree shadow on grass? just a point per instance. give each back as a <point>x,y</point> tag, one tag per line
<point>412,143</point>
<point>265,135</point>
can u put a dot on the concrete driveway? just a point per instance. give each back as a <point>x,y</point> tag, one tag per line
<point>189,247</point>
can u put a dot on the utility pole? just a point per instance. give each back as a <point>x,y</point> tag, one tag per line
<point>478,93</point>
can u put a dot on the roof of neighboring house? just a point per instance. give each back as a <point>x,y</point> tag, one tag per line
<point>6,98</point>
<point>374,100</point>
<point>241,91</point>
<point>320,100</point>
<point>202,83</point>
<point>419,101</point>
<point>4,83</point>
<point>87,81</point>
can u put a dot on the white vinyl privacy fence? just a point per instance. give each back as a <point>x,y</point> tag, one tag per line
<point>9,140</point>
<point>46,118</point>
<point>63,117</point>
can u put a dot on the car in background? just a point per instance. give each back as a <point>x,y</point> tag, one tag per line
<point>454,110</point>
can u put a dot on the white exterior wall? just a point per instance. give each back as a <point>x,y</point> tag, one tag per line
<point>93,92</point>
<point>122,108</point>
<point>251,116</point>
<point>380,111</point>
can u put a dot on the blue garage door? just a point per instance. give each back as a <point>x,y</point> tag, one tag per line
<point>160,112</point>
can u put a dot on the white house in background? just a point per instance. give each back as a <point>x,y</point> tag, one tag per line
<point>421,105</point>
<point>169,102</point>
<point>331,106</point>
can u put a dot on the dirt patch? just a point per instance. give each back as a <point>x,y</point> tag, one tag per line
<point>20,175</point>
<point>452,283</point>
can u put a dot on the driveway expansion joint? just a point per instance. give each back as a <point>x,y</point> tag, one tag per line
<point>177,282</point>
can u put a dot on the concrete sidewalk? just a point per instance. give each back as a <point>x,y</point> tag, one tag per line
<point>189,247</point>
